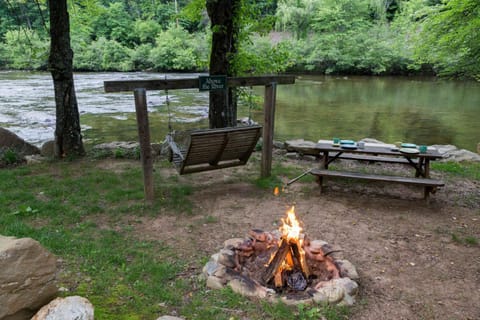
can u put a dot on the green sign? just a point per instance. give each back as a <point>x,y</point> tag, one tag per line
<point>208,83</point>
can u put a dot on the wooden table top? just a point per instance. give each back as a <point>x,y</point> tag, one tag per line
<point>370,149</point>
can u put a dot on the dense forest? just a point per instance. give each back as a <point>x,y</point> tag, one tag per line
<point>440,37</point>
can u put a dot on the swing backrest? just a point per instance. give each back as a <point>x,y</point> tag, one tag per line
<point>213,149</point>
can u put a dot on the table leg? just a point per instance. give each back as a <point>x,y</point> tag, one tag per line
<point>324,164</point>
<point>427,168</point>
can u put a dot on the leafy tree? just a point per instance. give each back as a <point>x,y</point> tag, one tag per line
<point>297,16</point>
<point>174,50</point>
<point>450,38</point>
<point>25,49</point>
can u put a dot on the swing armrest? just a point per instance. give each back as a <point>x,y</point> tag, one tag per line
<point>174,147</point>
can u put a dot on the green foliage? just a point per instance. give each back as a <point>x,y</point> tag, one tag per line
<point>262,57</point>
<point>25,49</point>
<point>9,156</point>
<point>323,36</point>
<point>450,38</point>
<point>296,16</point>
<point>174,50</point>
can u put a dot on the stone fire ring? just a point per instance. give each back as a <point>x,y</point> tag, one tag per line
<point>220,272</point>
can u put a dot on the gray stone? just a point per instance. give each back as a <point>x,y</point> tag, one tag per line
<point>247,288</point>
<point>227,258</point>
<point>293,302</point>
<point>302,146</point>
<point>215,282</point>
<point>169,318</point>
<point>347,269</point>
<point>452,153</point>
<point>34,158</point>
<point>210,268</point>
<point>112,146</point>
<point>278,144</point>
<point>10,141</point>
<point>27,277</point>
<point>69,308</point>
<point>234,242</point>
<point>292,155</point>
<point>339,291</point>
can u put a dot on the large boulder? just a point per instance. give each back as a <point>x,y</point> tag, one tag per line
<point>9,140</point>
<point>69,308</point>
<point>27,277</point>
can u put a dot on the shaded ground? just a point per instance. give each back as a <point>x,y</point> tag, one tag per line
<point>416,261</point>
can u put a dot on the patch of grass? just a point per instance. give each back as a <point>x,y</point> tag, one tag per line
<point>471,240</point>
<point>77,210</point>
<point>456,238</point>
<point>10,157</point>
<point>467,240</point>
<point>469,170</point>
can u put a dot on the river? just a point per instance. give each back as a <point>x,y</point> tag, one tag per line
<point>416,110</point>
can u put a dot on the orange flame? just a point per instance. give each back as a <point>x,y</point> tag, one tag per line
<point>291,226</point>
<point>276,191</point>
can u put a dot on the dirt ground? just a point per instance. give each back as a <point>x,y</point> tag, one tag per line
<point>415,260</point>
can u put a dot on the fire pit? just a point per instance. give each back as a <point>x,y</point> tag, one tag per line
<point>283,264</point>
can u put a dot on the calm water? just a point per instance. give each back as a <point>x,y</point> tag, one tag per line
<point>422,111</point>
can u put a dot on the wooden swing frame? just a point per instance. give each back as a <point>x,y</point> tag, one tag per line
<point>139,88</point>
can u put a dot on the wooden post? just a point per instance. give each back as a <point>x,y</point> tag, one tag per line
<point>268,125</point>
<point>144,139</point>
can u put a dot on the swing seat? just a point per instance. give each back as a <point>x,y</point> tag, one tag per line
<point>213,149</point>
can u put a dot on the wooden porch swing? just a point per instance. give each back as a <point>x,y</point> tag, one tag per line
<point>213,149</point>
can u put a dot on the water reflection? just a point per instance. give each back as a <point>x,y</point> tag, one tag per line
<point>417,110</point>
<point>422,111</point>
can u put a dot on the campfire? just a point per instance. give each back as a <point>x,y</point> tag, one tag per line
<point>283,264</point>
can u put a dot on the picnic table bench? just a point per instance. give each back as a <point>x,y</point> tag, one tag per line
<point>381,153</point>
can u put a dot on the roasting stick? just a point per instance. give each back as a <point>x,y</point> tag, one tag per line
<point>296,178</point>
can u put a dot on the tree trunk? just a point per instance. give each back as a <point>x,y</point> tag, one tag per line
<point>68,137</point>
<point>222,13</point>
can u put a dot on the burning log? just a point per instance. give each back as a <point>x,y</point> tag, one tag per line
<point>277,261</point>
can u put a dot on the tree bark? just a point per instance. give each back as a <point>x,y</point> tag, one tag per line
<point>68,137</point>
<point>223,13</point>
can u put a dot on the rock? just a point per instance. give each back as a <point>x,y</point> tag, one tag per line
<point>232,243</point>
<point>120,149</point>
<point>247,288</point>
<point>34,158</point>
<point>347,269</point>
<point>215,282</point>
<point>10,141</point>
<point>278,144</point>
<point>292,155</point>
<point>289,301</point>
<point>27,277</point>
<point>210,268</point>
<point>302,146</point>
<point>69,308</point>
<point>48,149</point>
<point>169,318</point>
<point>340,290</point>
<point>451,153</point>
<point>227,258</point>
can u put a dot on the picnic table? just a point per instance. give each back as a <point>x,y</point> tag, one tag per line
<point>374,152</point>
